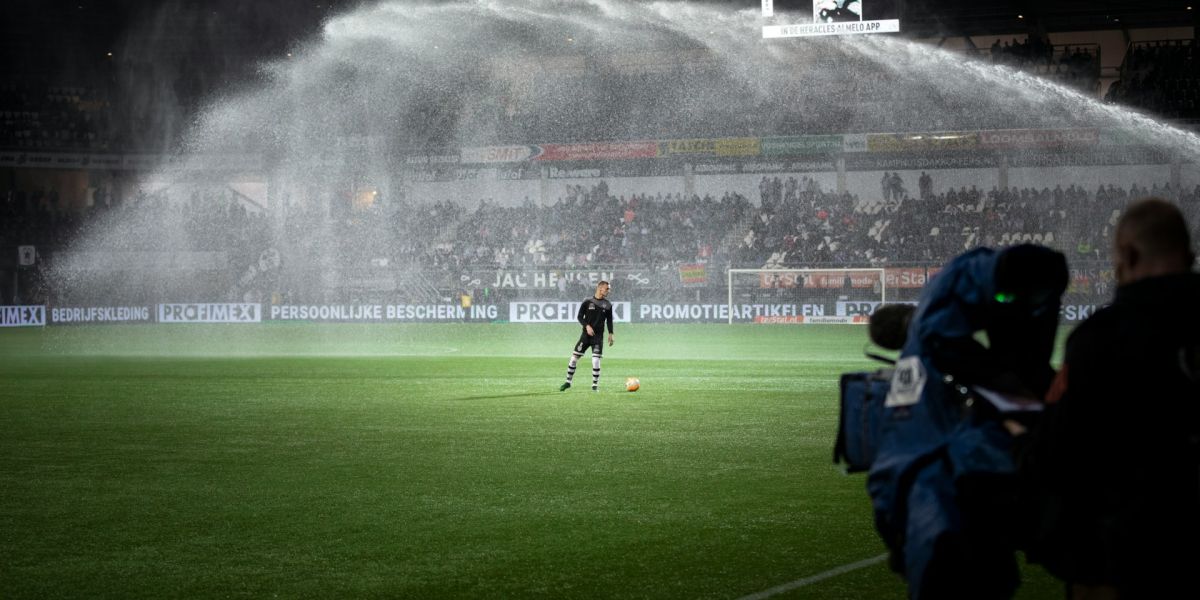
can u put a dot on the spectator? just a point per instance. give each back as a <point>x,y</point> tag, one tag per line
<point>1113,466</point>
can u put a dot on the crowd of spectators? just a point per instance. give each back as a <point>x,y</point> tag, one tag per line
<point>1075,65</point>
<point>589,226</point>
<point>794,223</point>
<point>820,228</point>
<point>1160,77</point>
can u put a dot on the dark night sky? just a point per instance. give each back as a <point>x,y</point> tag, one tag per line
<point>58,37</point>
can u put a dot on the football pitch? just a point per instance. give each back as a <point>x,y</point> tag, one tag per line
<point>303,460</point>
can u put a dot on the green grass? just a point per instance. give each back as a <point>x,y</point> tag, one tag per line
<point>428,461</point>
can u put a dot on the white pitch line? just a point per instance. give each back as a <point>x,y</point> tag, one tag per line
<point>799,583</point>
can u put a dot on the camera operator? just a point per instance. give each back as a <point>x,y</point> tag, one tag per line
<point>943,483</point>
<point>1113,465</point>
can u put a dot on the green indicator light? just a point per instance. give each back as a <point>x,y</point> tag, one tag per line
<point>1005,298</point>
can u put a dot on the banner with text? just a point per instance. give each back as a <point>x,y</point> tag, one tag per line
<point>551,279</point>
<point>801,145</point>
<point>826,280</point>
<point>711,147</point>
<point>908,142</point>
<point>224,312</point>
<point>558,312</point>
<point>23,316</point>
<point>906,278</point>
<point>599,151</point>
<point>1038,138</point>
<point>720,313</point>
<point>416,313</point>
<point>101,314</point>
<point>500,154</point>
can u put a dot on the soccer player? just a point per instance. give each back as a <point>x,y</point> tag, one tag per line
<point>594,314</point>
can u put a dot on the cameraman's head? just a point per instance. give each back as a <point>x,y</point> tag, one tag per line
<point>1029,280</point>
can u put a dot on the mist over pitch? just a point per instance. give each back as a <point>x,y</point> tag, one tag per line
<point>383,82</point>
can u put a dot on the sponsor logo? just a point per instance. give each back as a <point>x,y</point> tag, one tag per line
<point>1007,138</point>
<point>599,151</point>
<point>210,313</point>
<point>800,145</point>
<point>550,279</point>
<point>558,312</point>
<point>713,147</point>
<point>557,173</point>
<point>905,278</point>
<point>500,154</point>
<point>851,309</point>
<point>22,316</point>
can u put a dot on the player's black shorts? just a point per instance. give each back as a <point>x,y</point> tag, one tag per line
<point>596,342</point>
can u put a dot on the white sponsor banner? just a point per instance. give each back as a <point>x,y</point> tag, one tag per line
<point>22,316</point>
<point>382,312</point>
<point>558,312</point>
<point>721,312</point>
<point>846,308</point>
<point>224,312</point>
<point>99,314</point>
<point>842,28</point>
<point>499,154</point>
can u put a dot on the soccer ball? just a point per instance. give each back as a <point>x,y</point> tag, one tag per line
<point>632,384</point>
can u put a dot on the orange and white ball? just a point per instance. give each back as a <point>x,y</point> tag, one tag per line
<point>632,384</point>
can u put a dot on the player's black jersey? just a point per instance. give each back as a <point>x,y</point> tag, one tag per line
<point>596,312</point>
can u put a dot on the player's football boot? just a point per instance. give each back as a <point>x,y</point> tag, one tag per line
<point>565,386</point>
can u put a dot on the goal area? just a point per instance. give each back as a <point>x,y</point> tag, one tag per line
<point>826,296</point>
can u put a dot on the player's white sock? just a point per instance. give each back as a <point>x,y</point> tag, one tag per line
<point>595,370</point>
<point>571,366</point>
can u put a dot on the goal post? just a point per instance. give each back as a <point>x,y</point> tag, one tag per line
<point>816,295</point>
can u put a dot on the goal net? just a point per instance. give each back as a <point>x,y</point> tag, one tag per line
<point>840,296</point>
